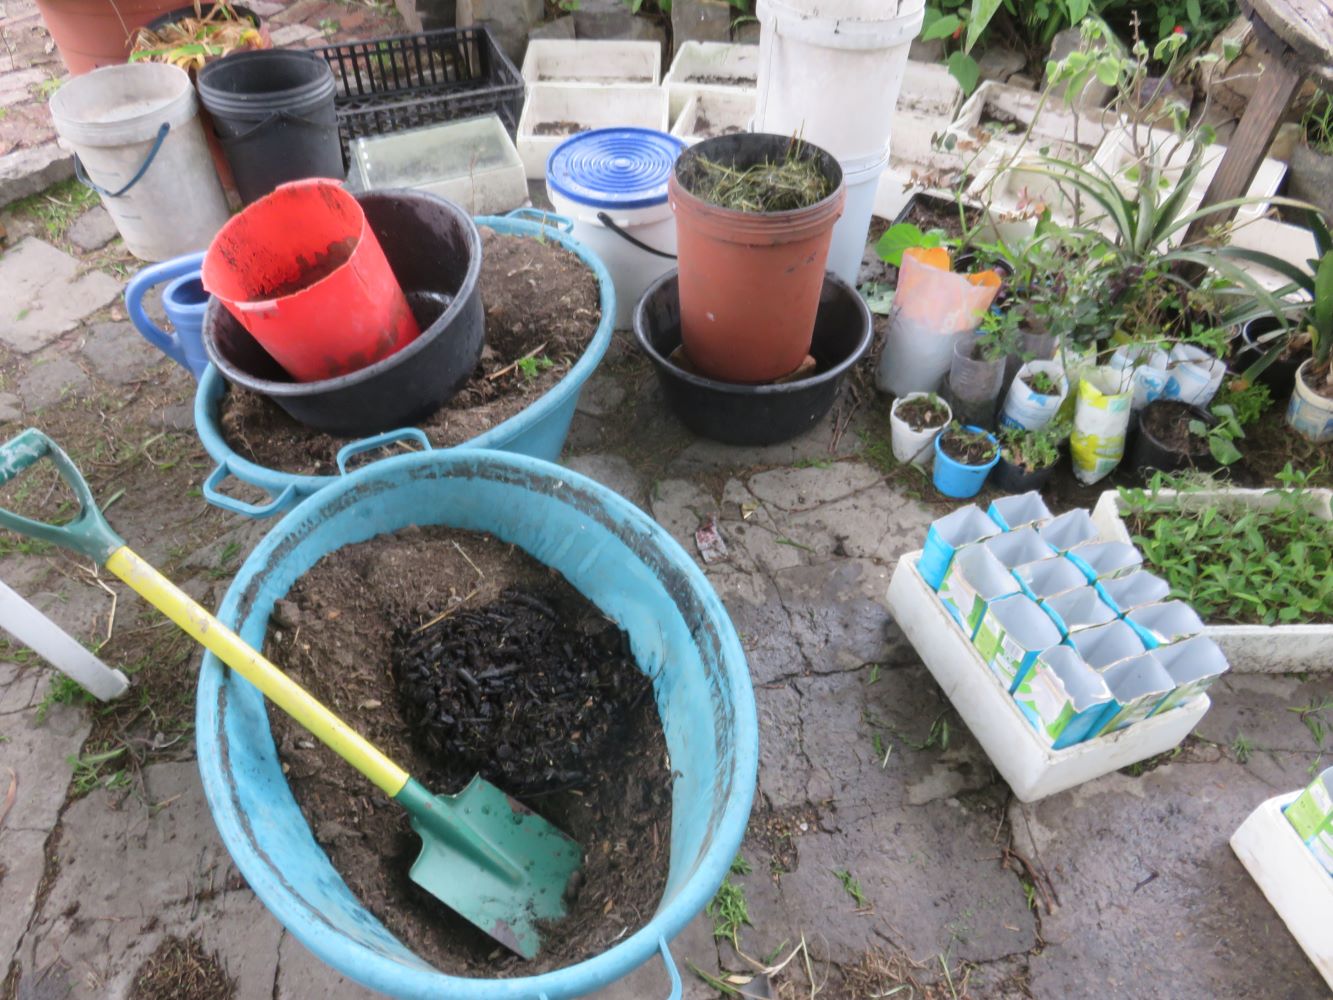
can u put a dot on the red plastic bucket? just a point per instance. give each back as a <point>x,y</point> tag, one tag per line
<point>303,272</point>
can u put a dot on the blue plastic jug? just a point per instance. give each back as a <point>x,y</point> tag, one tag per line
<point>184,301</point>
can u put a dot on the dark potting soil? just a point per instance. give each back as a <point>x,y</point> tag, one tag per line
<point>966,447</point>
<point>921,414</point>
<point>539,299</point>
<point>1003,120</point>
<point>1168,422</point>
<point>559,716</point>
<point>704,127</point>
<point>722,79</point>
<point>308,272</point>
<point>559,128</point>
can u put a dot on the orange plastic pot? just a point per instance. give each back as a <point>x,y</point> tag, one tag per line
<point>750,281</point>
<point>93,33</point>
<point>302,271</point>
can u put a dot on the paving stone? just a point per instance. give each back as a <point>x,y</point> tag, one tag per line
<point>746,33</point>
<point>557,28</point>
<point>28,171</point>
<point>614,472</point>
<point>49,381</point>
<point>680,506</point>
<point>14,87</point>
<point>302,975</point>
<point>46,293</point>
<point>119,354</point>
<point>292,34</point>
<point>701,21</point>
<point>1000,63</point>
<point>11,407</point>
<point>601,395</point>
<point>92,230</point>
<point>803,488</point>
<point>602,19</point>
<point>692,945</point>
<point>1150,892</point>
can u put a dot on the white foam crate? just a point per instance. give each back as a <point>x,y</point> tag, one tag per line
<point>1023,758</point>
<point>593,61</point>
<point>1250,649</point>
<point>1292,879</point>
<point>590,106</point>
<point>712,114</point>
<point>719,59</point>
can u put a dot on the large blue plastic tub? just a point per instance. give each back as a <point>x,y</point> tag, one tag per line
<point>617,557</point>
<point>539,430</point>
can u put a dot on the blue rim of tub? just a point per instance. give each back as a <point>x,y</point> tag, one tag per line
<point>620,518</point>
<point>521,433</point>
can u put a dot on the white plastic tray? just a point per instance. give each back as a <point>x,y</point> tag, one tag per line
<point>1290,876</point>
<point>715,113</point>
<point>1250,649</point>
<point>592,61</point>
<point>1026,761</point>
<point>720,59</point>
<point>589,105</point>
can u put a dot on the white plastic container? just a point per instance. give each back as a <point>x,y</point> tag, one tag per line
<point>472,162</point>
<point>710,68</point>
<point>713,113</point>
<point>861,178</point>
<point>613,184</point>
<point>910,445</point>
<point>586,107</point>
<point>831,71</point>
<point>1292,879</point>
<point>1021,755</point>
<point>1031,410</point>
<point>1249,648</point>
<point>135,131</point>
<point>593,61</point>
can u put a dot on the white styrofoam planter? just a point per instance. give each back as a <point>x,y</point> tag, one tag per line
<point>588,105</point>
<point>1269,649</point>
<point>725,60</point>
<point>1294,244</point>
<point>714,113</point>
<point>1069,134</point>
<point>593,61</point>
<point>1292,879</point>
<point>928,89</point>
<point>1025,760</point>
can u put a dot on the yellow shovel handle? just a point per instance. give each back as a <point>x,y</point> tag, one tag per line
<point>232,650</point>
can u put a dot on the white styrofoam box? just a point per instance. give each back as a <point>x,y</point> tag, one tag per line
<point>1250,649</point>
<point>1025,760</point>
<point>928,89</point>
<point>1294,244</point>
<point>594,61</point>
<point>589,107</point>
<point>894,190</point>
<point>1288,873</point>
<point>1069,134</point>
<point>731,67</point>
<point>717,112</point>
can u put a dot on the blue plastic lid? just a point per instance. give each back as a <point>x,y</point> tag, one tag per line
<point>614,167</point>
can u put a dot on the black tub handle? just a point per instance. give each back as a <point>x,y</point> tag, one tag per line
<point>605,220</point>
<point>275,116</point>
<point>87,181</point>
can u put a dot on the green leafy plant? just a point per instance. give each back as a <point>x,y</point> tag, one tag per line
<point>61,690</point>
<point>1247,400</point>
<point>999,335</point>
<point>729,911</point>
<point>534,366</point>
<point>852,887</point>
<point>1317,122</point>
<point>1033,450</point>
<point>966,23</point>
<point>904,236</point>
<point>1221,435</point>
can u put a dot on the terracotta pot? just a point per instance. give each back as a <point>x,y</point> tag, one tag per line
<point>93,33</point>
<point>750,281</point>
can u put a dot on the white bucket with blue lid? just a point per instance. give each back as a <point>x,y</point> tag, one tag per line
<point>612,183</point>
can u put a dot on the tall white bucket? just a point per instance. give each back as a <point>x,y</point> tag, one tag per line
<point>830,70</point>
<point>138,143</point>
<point>861,178</point>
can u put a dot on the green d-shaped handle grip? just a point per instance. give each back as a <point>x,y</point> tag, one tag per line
<point>88,533</point>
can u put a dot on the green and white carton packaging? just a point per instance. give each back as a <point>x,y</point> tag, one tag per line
<point>973,579</point>
<point>1014,548</point>
<point>1107,644</point>
<point>1193,664</point>
<point>1011,634</point>
<point>1138,686</point>
<point>1063,698</point>
<point>1311,816</point>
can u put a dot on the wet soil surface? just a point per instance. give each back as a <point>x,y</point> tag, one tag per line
<point>559,716</point>
<point>704,126</point>
<point>1168,424</point>
<point>309,272</point>
<point>922,414</point>
<point>722,79</point>
<point>542,308</point>
<point>967,448</point>
<point>559,128</point>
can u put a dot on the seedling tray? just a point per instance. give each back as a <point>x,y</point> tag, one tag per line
<point>1026,761</point>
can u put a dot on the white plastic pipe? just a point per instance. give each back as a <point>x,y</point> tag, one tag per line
<point>32,628</point>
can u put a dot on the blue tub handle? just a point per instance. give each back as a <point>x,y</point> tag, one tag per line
<point>287,498</point>
<point>677,989</point>
<point>562,223</point>
<point>379,441</point>
<point>139,286</point>
<point>87,181</point>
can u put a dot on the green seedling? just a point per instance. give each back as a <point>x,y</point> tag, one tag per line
<point>739,866</point>
<point>729,911</point>
<point>532,367</point>
<point>852,887</point>
<point>90,771</point>
<point>1220,435</point>
<point>1242,748</point>
<point>62,690</point>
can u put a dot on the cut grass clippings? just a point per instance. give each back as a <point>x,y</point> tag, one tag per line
<point>796,182</point>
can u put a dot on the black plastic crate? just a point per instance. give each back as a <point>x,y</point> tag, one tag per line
<point>391,84</point>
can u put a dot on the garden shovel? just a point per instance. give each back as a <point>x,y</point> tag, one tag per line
<point>483,855</point>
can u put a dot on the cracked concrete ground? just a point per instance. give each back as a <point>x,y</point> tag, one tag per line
<point>868,781</point>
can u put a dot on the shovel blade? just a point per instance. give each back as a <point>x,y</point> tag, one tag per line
<point>494,862</point>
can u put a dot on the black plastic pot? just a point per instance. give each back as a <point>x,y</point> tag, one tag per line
<point>435,252</point>
<point>1147,452</point>
<point>1280,375</point>
<point>741,414</point>
<point>273,112</point>
<point>1015,479</point>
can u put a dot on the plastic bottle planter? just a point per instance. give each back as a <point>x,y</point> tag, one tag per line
<point>974,384</point>
<point>183,300</point>
<point>954,479</point>
<point>1309,413</point>
<point>1101,419</point>
<point>911,445</point>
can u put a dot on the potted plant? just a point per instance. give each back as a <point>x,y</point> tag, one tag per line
<point>976,375</point>
<point>1310,411</point>
<point>1310,171</point>
<point>1176,435</point>
<point>964,457</point>
<point>1034,398</point>
<point>93,33</point>
<point>191,36</point>
<point>1028,457</point>
<point>915,420</point>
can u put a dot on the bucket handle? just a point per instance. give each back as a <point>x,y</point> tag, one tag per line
<point>87,181</point>
<point>606,220</point>
<point>562,223</point>
<point>677,988</point>
<point>139,286</point>
<point>274,117</point>
<point>347,451</point>
<point>277,505</point>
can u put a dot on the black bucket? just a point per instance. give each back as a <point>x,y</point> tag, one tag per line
<point>1146,453</point>
<point>435,252</point>
<point>1010,478</point>
<point>273,113</point>
<point>735,413</point>
<point>1280,375</point>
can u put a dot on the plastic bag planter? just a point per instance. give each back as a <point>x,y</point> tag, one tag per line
<point>538,430</point>
<point>617,557</point>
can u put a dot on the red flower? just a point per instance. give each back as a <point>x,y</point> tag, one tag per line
<point>1177,30</point>
<point>957,32</point>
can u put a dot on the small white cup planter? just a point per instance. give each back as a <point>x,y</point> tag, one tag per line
<point>710,68</point>
<point>1309,414</point>
<point>555,111</point>
<point>592,61</point>
<point>912,445</point>
<point>1273,649</point>
<point>714,113</point>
